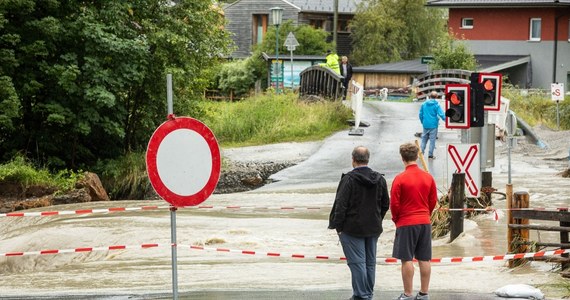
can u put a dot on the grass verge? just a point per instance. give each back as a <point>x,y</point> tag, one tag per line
<point>538,108</point>
<point>271,119</point>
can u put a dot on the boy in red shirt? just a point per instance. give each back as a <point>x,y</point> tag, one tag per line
<point>413,198</point>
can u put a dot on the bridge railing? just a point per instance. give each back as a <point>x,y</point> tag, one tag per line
<point>321,82</point>
<point>436,81</point>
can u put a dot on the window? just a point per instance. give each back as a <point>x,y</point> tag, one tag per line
<point>467,23</point>
<point>535,24</point>
<point>343,26</point>
<point>259,28</point>
<point>318,24</point>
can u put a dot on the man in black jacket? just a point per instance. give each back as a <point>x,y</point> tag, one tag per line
<point>346,72</point>
<point>361,202</point>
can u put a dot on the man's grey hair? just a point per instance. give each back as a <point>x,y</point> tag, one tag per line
<point>433,94</point>
<point>360,155</point>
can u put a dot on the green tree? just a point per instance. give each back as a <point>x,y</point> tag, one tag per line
<point>386,30</point>
<point>450,53</point>
<point>82,81</point>
<point>235,76</point>
<point>312,41</point>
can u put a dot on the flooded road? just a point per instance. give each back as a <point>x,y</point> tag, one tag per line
<point>288,217</point>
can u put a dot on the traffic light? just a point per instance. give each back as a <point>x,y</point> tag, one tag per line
<point>457,106</point>
<point>490,86</point>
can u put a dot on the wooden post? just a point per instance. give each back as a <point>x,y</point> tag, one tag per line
<point>521,200</point>
<point>564,239</point>
<point>421,156</point>
<point>486,179</point>
<point>487,187</point>
<point>509,193</point>
<point>456,200</point>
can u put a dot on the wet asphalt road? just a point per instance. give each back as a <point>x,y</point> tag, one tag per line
<point>391,124</point>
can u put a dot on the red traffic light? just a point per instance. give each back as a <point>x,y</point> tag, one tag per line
<point>490,90</point>
<point>488,85</point>
<point>455,98</point>
<point>457,105</point>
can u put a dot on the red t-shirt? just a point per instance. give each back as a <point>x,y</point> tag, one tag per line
<point>413,197</point>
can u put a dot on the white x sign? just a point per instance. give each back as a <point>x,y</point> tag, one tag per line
<point>465,158</point>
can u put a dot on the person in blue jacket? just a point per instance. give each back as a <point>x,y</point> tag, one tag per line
<point>430,113</point>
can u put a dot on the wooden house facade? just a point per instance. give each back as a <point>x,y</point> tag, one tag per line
<point>248,20</point>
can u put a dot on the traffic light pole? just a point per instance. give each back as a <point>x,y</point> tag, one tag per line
<point>483,142</point>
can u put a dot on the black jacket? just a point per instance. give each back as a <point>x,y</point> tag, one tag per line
<point>361,203</point>
<point>348,74</point>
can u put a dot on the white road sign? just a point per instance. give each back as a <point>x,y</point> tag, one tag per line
<point>557,91</point>
<point>291,41</point>
<point>465,158</point>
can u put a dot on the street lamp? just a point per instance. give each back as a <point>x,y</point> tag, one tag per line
<point>277,14</point>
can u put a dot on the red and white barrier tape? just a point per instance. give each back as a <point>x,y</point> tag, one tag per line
<point>234,207</point>
<point>122,209</point>
<point>506,209</point>
<point>79,212</point>
<point>80,250</point>
<point>387,260</point>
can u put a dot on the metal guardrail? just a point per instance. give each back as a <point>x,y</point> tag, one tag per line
<point>321,82</point>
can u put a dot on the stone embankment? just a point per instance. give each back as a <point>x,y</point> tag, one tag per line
<point>13,196</point>
<point>245,176</point>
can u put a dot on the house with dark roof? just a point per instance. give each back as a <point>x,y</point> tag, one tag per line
<point>534,34</point>
<point>402,74</point>
<point>248,20</point>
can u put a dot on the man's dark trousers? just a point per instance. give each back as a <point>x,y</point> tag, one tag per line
<point>361,259</point>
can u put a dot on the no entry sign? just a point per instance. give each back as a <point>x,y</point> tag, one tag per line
<point>183,161</point>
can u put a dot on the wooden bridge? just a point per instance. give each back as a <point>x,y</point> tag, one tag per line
<point>324,83</point>
<point>436,81</point>
<point>321,82</point>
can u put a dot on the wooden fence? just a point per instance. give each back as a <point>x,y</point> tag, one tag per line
<point>519,215</point>
<point>518,236</point>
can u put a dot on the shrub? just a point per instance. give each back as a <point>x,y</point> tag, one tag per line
<point>125,177</point>
<point>236,76</point>
<point>22,171</point>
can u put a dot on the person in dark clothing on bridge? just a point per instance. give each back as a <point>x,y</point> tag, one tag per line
<point>361,202</point>
<point>346,72</point>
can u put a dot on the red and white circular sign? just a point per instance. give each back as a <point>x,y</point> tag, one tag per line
<point>183,161</point>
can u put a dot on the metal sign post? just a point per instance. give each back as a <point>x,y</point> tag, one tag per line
<point>173,241</point>
<point>174,252</point>
<point>183,164</point>
<point>557,92</point>
<point>291,43</point>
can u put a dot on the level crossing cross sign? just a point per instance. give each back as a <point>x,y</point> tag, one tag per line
<point>465,158</point>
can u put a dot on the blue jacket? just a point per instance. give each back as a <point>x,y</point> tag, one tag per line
<point>429,113</point>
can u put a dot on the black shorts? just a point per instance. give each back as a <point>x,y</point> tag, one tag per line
<point>413,241</point>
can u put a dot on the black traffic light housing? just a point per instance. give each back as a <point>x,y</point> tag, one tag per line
<point>477,103</point>
<point>457,106</point>
<point>489,85</point>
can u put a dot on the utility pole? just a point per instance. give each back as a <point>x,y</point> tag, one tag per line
<point>335,22</point>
